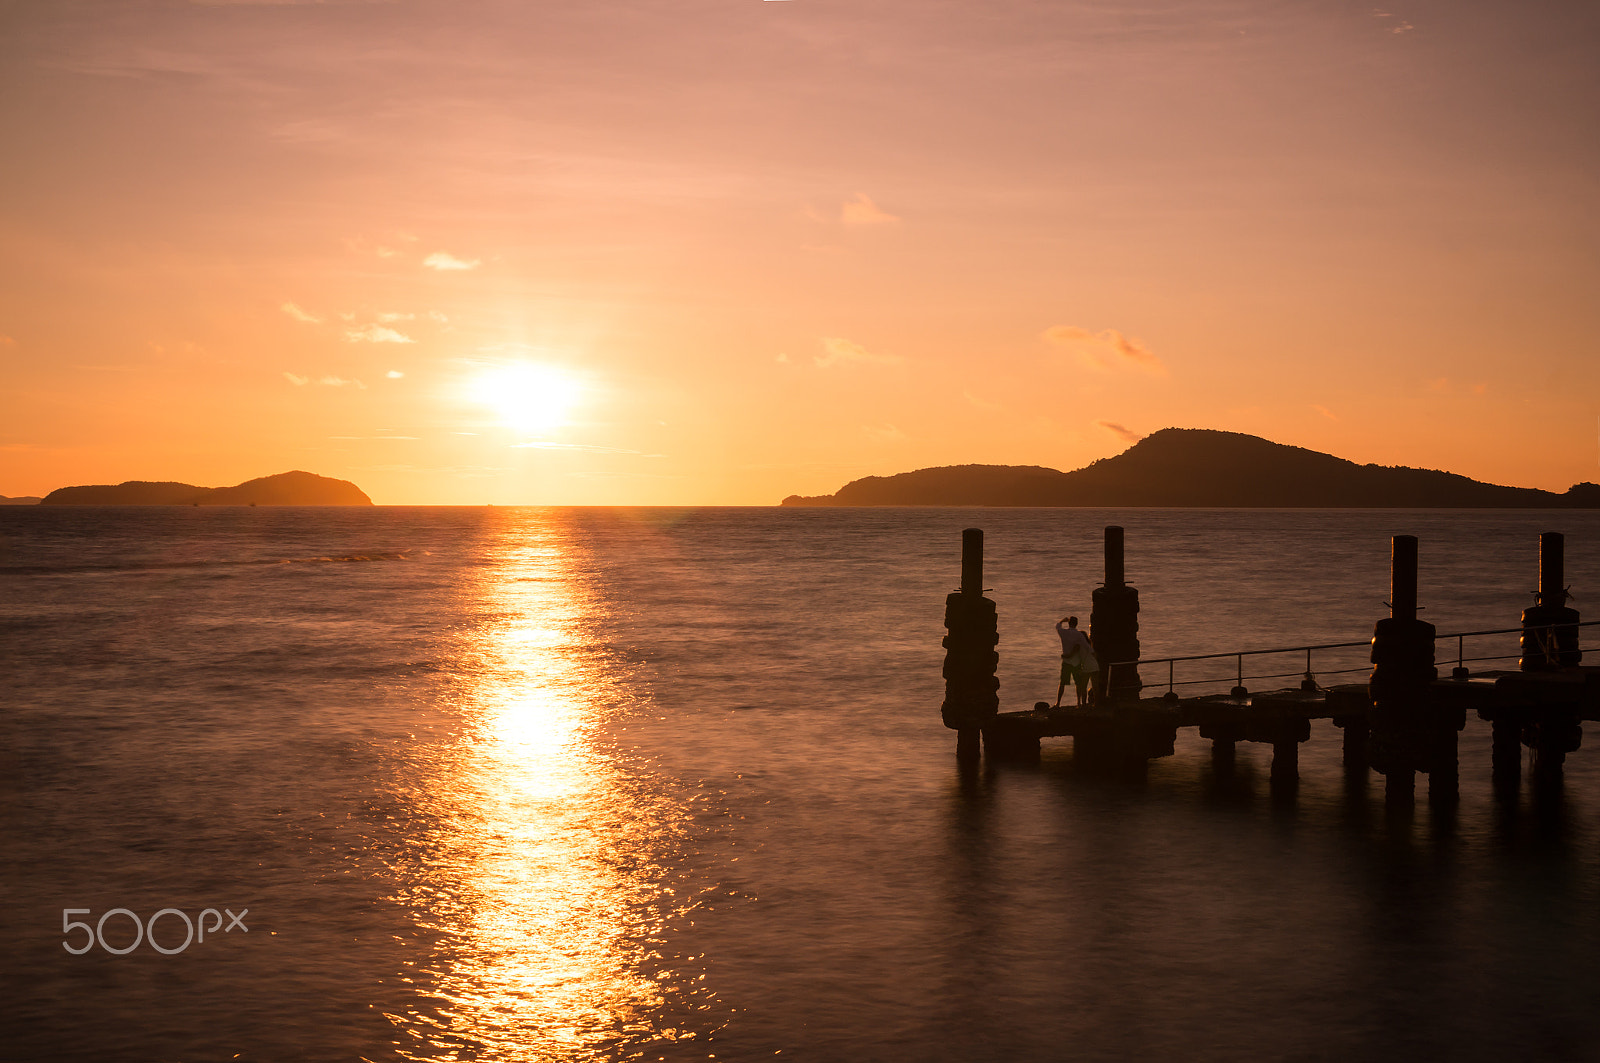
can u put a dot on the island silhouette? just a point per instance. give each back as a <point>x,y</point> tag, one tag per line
<point>285,489</point>
<point>1198,467</point>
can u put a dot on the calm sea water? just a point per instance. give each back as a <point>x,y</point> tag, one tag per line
<point>526,784</point>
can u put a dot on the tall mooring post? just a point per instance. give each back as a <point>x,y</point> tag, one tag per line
<point>1406,738</point>
<point>1550,642</point>
<point>971,690</point>
<point>1114,626</point>
<point>1550,629</point>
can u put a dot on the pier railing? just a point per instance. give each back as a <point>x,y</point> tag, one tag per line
<point>1309,675</point>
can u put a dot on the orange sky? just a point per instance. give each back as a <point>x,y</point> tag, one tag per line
<point>721,252</point>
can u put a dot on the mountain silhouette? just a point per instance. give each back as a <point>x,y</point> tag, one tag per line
<point>1197,467</point>
<point>19,500</point>
<point>284,489</point>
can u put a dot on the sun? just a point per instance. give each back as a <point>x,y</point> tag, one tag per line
<point>527,396</point>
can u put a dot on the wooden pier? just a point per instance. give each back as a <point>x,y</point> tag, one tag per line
<point>1402,721</point>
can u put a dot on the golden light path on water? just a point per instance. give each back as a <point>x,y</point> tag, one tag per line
<point>543,881</point>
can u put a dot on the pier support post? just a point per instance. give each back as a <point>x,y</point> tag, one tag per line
<point>1404,730</point>
<point>1550,629</point>
<point>1444,773</point>
<point>1114,626</point>
<point>1507,755</point>
<point>1285,762</point>
<point>1555,734</point>
<point>1550,642</point>
<point>1355,728</point>
<point>1224,753</point>
<point>971,695</point>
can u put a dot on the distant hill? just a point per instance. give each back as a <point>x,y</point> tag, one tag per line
<point>19,500</point>
<point>284,489</point>
<point>1197,467</point>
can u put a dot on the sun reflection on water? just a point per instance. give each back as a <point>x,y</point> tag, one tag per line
<point>542,876</point>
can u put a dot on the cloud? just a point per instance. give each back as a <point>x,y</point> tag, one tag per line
<point>300,315</point>
<point>782,359</point>
<point>376,334</point>
<point>394,374</point>
<point>1106,348</point>
<point>444,261</point>
<point>283,3</point>
<point>863,211</point>
<point>1401,27</point>
<point>840,351</point>
<point>395,316</point>
<point>1329,414</point>
<point>885,433</point>
<point>577,446</point>
<point>327,381</point>
<point>1127,435</point>
<point>982,404</point>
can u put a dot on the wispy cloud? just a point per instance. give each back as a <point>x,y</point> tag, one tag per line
<point>885,433</point>
<point>376,334</point>
<point>444,261</point>
<point>394,374</point>
<point>1106,348</point>
<point>863,211</point>
<point>300,315</point>
<point>395,315</point>
<point>327,381</point>
<point>284,3</point>
<point>1127,435</point>
<point>1399,26</point>
<point>578,446</point>
<point>1329,414</point>
<point>839,351</point>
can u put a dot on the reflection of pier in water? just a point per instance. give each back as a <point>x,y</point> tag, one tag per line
<point>1403,720</point>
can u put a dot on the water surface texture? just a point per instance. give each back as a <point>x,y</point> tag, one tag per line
<point>524,784</point>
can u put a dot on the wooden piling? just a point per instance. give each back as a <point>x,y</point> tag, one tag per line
<point>1507,754</point>
<point>1114,625</point>
<point>1286,761</point>
<point>1403,578</point>
<point>970,687</point>
<point>1355,744</point>
<point>1405,732</point>
<point>1550,629</point>
<point>972,561</point>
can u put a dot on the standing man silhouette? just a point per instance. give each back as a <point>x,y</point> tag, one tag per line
<point>1077,658</point>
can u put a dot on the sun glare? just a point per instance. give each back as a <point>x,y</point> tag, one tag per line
<point>527,397</point>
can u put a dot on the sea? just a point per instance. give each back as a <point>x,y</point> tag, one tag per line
<point>532,784</point>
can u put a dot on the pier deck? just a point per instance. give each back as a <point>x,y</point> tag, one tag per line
<point>1147,727</point>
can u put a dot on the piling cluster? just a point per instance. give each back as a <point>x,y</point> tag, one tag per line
<point>1409,732</point>
<point>1114,625</point>
<point>971,689</point>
